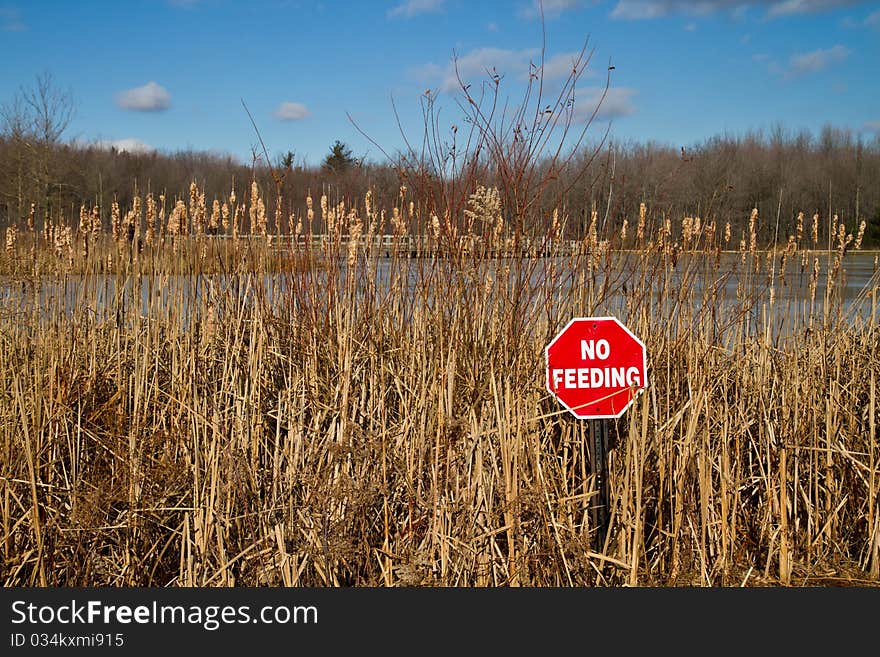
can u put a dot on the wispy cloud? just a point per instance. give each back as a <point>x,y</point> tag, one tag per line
<point>873,20</point>
<point>291,112</point>
<point>791,7</point>
<point>10,20</point>
<point>618,102</point>
<point>151,97</point>
<point>817,60</point>
<point>552,8</point>
<point>650,9</point>
<point>412,8</point>
<point>479,64</point>
<point>873,125</point>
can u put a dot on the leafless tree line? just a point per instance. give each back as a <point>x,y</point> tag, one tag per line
<point>721,179</point>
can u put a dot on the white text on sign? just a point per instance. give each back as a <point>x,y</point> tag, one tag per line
<point>596,377</point>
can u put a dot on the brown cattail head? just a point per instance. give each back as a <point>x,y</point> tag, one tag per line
<point>640,227</point>
<point>753,231</point>
<point>214,221</point>
<point>687,230</point>
<point>11,236</point>
<point>860,235</point>
<point>151,218</point>
<point>115,221</point>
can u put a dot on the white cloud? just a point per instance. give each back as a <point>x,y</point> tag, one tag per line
<point>478,65</point>
<point>10,20</point>
<point>649,9</point>
<point>129,145</point>
<point>414,8</point>
<point>617,103</point>
<point>790,7</point>
<point>291,112</point>
<point>873,20</point>
<point>492,26</point>
<point>817,60</point>
<point>151,97</point>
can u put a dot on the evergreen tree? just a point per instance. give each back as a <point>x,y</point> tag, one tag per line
<point>339,159</point>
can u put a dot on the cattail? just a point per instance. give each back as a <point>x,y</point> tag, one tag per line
<point>85,225</point>
<point>115,223</point>
<point>177,218</point>
<point>687,227</point>
<point>800,226</point>
<point>727,233</point>
<point>257,211</point>
<point>224,213</point>
<point>435,224</point>
<point>355,226</point>
<point>194,213</point>
<point>161,218</point>
<point>398,224</point>
<point>710,232</point>
<point>623,231</point>
<point>151,218</point>
<point>742,249</point>
<point>11,235</point>
<point>815,228</point>
<point>860,235</point>
<point>368,204</point>
<point>640,227</point>
<point>214,219</point>
<point>96,222</point>
<point>698,224</point>
<point>84,221</point>
<point>592,232</point>
<point>753,231</point>
<point>841,234</point>
<point>30,219</point>
<point>310,213</point>
<point>278,213</point>
<point>324,207</point>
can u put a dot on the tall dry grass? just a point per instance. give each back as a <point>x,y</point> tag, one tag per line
<point>195,410</point>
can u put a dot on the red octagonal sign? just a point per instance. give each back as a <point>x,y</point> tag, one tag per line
<point>596,367</point>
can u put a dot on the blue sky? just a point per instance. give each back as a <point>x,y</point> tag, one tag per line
<point>172,74</point>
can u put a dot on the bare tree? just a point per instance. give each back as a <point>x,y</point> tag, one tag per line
<point>34,121</point>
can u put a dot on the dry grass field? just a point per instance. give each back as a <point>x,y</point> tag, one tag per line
<point>182,404</point>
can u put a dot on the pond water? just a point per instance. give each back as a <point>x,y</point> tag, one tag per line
<point>696,280</point>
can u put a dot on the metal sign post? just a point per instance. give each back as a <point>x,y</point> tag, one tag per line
<point>595,368</point>
<point>599,433</point>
